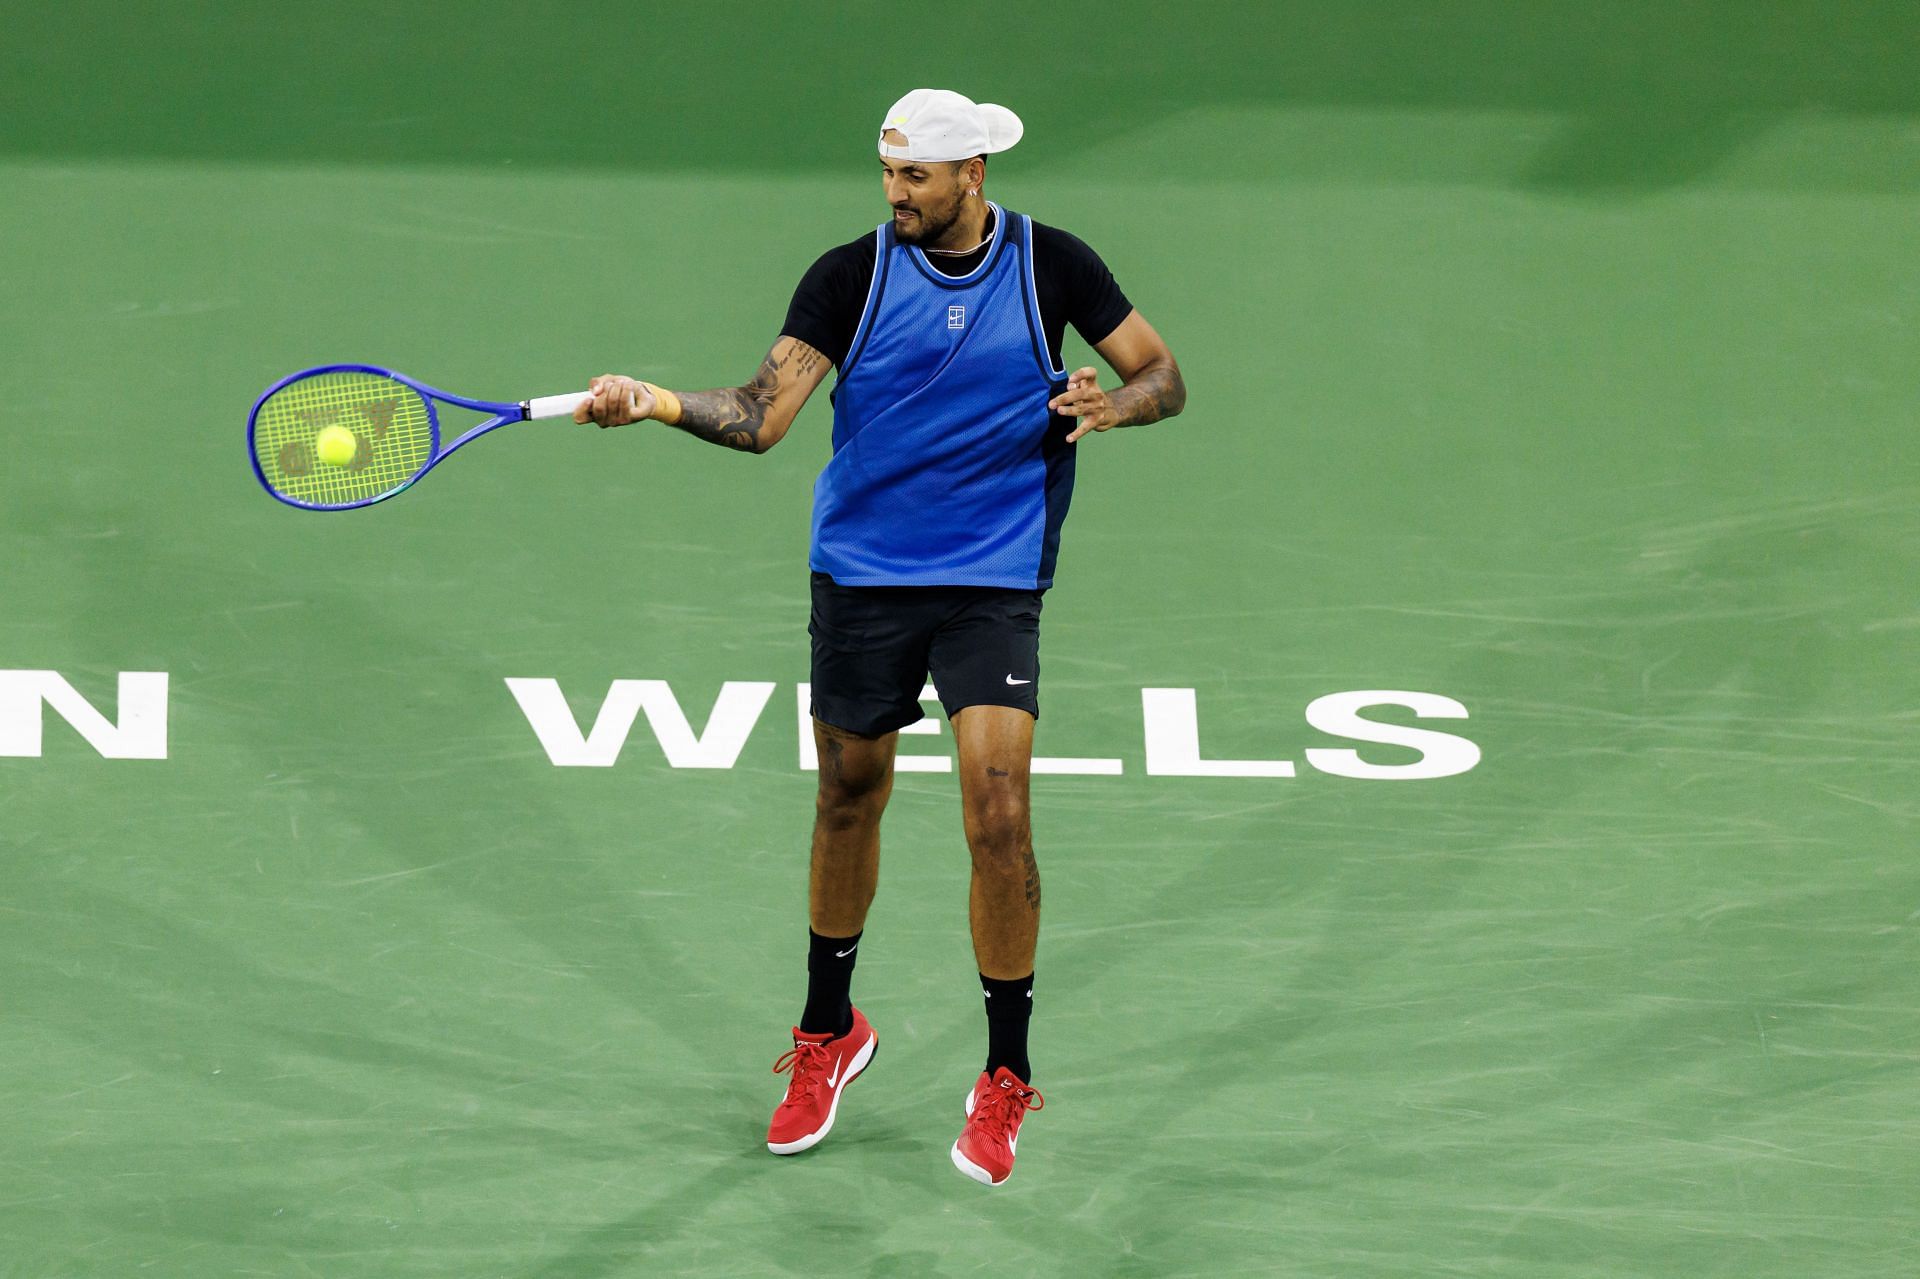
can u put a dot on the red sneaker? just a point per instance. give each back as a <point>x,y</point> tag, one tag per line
<point>822,1065</point>
<point>995,1109</point>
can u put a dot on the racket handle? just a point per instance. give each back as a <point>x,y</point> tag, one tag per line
<point>553,405</point>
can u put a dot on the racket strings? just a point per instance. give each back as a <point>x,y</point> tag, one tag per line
<point>390,423</point>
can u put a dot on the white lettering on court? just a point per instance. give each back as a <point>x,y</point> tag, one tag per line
<point>1442,754</point>
<point>139,731</point>
<point>735,712</point>
<point>1172,720</point>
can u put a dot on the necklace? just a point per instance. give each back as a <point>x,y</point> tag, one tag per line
<point>961,253</point>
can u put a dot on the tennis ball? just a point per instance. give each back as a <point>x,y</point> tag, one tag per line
<point>336,445</point>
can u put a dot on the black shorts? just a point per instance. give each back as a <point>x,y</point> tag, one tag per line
<point>874,646</point>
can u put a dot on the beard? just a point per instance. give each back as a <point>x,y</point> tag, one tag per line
<point>931,224</point>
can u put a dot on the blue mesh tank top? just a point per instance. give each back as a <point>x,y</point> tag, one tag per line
<point>948,469</point>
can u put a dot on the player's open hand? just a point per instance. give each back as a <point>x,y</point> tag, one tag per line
<point>1084,399</point>
<point>616,401</point>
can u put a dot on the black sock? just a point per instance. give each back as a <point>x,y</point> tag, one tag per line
<point>1009,1006</point>
<point>829,977</point>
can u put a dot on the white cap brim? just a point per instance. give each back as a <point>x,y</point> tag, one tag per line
<point>1003,127</point>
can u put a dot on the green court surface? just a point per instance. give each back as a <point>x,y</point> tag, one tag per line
<point>1559,360</point>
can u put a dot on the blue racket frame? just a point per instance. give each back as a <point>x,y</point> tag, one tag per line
<point>502,415</point>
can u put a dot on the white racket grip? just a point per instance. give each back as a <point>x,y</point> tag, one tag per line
<point>554,405</point>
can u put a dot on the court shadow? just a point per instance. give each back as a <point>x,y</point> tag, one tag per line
<point>1622,152</point>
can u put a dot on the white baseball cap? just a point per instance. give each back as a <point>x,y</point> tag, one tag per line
<point>942,125</point>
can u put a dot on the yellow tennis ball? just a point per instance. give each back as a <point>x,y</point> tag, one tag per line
<point>336,445</point>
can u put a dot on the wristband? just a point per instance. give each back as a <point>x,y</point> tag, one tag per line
<point>666,405</point>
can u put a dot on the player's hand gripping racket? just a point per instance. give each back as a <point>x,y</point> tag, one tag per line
<point>347,435</point>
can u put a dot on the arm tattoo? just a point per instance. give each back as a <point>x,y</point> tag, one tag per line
<point>1156,392</point>
<point>734,416</point>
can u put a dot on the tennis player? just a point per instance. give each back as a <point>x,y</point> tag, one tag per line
<point>936,525</point>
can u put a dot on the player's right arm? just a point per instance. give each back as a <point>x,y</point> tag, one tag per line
<point>751,417</point>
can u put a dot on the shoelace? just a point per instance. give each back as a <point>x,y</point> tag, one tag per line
<point>1002,1105</point>
<point>807,1062</point>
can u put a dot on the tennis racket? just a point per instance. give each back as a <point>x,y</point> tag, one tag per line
<point>395,426</point>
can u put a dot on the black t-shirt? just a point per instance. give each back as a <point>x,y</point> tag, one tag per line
<point>1074,285</point>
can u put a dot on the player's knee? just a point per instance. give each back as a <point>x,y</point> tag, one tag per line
<point>849,803</point>
<point>998,829</point>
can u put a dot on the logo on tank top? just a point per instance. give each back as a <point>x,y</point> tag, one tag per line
<point>956,317</point>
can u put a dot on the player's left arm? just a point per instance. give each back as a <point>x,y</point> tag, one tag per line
<point>1150,383</point>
